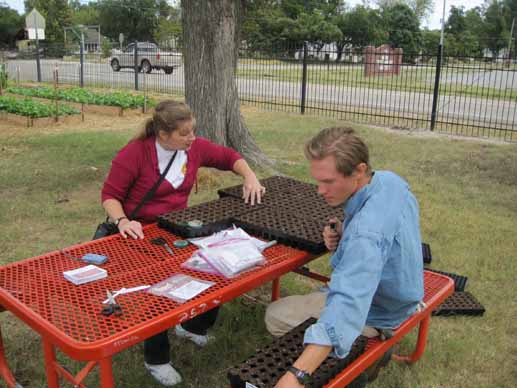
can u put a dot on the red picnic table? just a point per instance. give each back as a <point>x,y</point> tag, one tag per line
<point>68,317</point>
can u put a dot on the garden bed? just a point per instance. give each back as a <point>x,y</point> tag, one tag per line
<point>29,112</point>
<point>87,101</point>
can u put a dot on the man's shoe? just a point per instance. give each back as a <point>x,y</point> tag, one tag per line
<point>165,374</point>
<point>198,339</point>
<point>373,370</point>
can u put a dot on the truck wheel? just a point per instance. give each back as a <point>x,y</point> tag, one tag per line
<point>115,65</point>
<point>146,66</point>
<point>168,70</point>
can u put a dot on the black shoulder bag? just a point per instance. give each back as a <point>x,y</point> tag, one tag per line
<point>107,228</point>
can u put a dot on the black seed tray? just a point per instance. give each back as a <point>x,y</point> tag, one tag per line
<point>460,303</point>
<point>274,224</point>
<point>215,215</point>
<point>311,205</point>
<point>459,281</point>
<point>268,364</point>
<point>274,184</point>
<point>426,253</point>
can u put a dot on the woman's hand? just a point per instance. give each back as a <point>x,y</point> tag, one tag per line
<point>130,228</point>
<point>252,190</point>
<point>331,236</point>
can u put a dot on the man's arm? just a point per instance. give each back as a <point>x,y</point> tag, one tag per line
<point>309,361</point>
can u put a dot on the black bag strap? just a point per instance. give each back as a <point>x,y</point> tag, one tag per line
<point>151,192</point>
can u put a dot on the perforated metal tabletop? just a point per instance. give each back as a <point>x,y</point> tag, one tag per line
<point>36,291</point>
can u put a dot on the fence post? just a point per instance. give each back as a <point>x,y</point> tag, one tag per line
<point>56,82</point>
<point>436,86</point>
<point>81,61</point>
<point>135,55</point>
<point>304,78</point>
<point>38,64</point>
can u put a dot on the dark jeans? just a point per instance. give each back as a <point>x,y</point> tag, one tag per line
<point>157,348</point>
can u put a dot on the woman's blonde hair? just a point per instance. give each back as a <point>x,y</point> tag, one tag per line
<point>168,116</point>
<point>348,149</point>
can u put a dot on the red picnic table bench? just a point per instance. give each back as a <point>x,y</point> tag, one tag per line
<point>437,288</point>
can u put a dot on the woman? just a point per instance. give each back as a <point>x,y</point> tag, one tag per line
<point>136,168</point>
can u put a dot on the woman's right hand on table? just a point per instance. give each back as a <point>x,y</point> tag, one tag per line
<point>130,228</point>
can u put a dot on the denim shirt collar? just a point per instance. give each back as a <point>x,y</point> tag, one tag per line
<point>356,201</point>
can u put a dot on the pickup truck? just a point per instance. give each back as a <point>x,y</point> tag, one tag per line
<point>149,57</point>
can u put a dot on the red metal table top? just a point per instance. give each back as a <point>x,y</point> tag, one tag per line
<point>36,291</point>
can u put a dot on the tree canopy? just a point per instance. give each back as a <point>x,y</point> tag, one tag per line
<point>10,23</point>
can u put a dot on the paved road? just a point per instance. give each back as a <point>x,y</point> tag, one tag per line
<point>460,109</point>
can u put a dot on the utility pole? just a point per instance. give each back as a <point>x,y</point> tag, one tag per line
<point>38,64</point>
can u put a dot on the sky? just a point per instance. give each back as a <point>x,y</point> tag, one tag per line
<point>432,23</point>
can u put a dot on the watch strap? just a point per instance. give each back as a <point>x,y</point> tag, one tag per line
<point>302,376</point>
<point>117,221</point>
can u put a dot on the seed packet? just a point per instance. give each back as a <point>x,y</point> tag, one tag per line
<point>231,259</point>
<point>197,263</point>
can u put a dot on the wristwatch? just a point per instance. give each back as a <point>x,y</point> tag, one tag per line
<point>302,376</point>
<point>117,220</point>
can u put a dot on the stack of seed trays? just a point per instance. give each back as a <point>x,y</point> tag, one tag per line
<point>269,364</point>
<point>286,228</point>
<point>460,303</point>
<point>274,184</point>
<point>212,217</point>
<point>293,213</point>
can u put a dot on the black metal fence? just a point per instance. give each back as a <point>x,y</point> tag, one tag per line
<point>467,96</point>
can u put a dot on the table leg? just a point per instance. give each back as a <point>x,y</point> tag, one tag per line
<point>106,373</point>
<point>423,330</point>
<point>50,362</point>
<point>4,367</point>
<point>275,290</point>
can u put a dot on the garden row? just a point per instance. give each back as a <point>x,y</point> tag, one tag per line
<point>35,104</point>
<point>83,96</point>
<point>21,110</point>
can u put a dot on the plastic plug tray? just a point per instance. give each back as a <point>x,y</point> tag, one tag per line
<point>460,303</point>
<point>268,364</point>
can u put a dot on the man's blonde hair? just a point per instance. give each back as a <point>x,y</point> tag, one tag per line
<point>348,149</point>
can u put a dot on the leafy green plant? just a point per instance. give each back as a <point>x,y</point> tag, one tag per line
<point>34,109</point>
<point>79,95</point>
<point>3,76</point>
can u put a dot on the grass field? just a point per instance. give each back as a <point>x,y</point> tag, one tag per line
<point>50,179</point>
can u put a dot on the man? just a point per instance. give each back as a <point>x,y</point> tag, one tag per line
<point>377,277</point>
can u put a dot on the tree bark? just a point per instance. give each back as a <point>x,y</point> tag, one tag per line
<point>211,40</point>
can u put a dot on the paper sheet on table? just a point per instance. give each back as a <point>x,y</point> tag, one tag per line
<point>189,290</point>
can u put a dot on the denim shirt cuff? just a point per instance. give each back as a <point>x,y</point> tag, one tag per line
<point>321,334</point>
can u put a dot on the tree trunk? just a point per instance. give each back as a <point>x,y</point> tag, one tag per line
<point>211,41</point>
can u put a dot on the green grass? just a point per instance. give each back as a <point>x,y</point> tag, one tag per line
<point>467,190</point>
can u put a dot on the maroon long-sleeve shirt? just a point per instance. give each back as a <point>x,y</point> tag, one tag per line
<point>135,170</point>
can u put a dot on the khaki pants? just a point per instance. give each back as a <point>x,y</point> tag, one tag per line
<point>287,313</point>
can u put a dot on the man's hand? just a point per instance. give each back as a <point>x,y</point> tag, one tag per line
<point>130,228</point>
<point>288,381</point>
<point>331,236</point>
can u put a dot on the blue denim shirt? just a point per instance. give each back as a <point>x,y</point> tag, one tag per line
<point>377,277</point>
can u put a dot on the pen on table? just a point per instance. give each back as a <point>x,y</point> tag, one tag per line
<point>268,245</point>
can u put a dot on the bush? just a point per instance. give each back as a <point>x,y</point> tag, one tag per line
<point>106,47</point>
